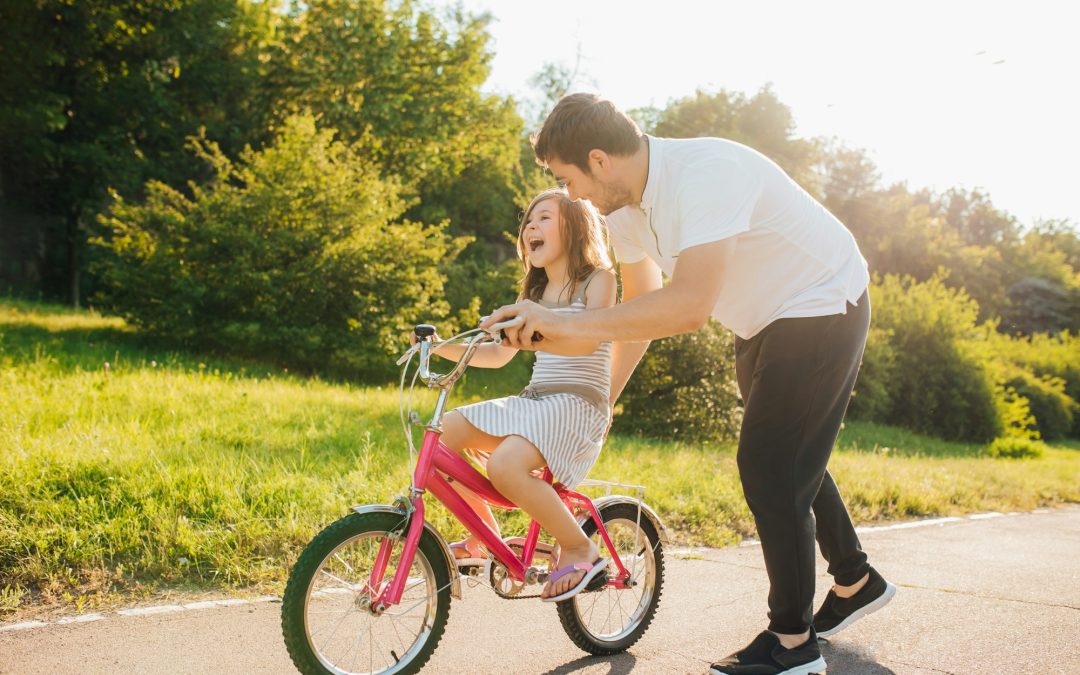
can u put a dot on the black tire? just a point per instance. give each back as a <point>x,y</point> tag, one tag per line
<point>326,548</point>
<point>619,519</point>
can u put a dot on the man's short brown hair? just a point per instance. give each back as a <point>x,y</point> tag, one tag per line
<point>583,122</point>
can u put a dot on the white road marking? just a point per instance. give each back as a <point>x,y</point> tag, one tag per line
<point>147,611</point>
<point>80,618</point>
<point>907,526</point>
<point>25,625</point>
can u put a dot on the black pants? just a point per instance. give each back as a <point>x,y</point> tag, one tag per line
<point>796,378</point>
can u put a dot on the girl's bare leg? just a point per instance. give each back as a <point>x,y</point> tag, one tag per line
<point>458,435</point>
<point>510,470</point>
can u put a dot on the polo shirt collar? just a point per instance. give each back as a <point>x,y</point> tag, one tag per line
<point>648,196</point>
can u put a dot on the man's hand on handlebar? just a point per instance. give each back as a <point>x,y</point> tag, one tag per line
<point>533,324</point>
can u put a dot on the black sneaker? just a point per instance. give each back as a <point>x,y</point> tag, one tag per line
<point>766,656</point>
<point>838,613</point>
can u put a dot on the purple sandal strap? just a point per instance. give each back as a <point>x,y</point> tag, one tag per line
<point>563,571</point>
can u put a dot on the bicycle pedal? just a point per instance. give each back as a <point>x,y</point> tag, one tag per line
<point>598,583</point>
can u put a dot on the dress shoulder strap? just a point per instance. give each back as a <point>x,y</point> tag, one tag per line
<point>579,292</point>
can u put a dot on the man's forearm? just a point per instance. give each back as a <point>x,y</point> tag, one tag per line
<point>659,314</point>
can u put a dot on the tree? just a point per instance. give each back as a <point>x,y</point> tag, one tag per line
<point>1057,235</point>
<point>102,94</point>
<point>296,253</point>
<point>761,121</point>
<point>403,84</point>
<point>974,218</point>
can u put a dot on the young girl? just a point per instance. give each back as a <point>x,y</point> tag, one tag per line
<point>560,420</point>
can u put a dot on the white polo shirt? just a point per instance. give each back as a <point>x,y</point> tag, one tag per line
<point>792,258</point>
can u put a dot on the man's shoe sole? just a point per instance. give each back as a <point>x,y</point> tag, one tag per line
<point>813,668</point>
<point>870,608</point>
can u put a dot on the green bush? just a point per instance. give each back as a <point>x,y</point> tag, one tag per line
<point>684,388</point>
<point>1056,356</point>
<point>1052,409</point>
<point>1044,369</point>
<point>293,254</point>
<point>1015,448</point>
<point>936,383</point>
<point>872,398</point>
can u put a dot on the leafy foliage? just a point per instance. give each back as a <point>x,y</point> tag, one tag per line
<point>1052,409</point>
<point>872,398</point>
<point>761,121</point>
<point>293,253</point>
<point>1045,369</point>
<point>403,84</point>
<point>97,94</point>
<point>1016,448</point>
<point>927,378</point>
<point>685,388</point>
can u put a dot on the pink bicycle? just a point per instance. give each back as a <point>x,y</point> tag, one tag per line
<point>371,593</point>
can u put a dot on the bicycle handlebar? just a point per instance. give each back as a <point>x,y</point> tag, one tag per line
<point>445,381</point>
<point>426,332</point>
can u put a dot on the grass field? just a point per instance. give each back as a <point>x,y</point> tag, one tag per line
<point>126,468</point>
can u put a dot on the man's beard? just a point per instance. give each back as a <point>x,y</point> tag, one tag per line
<point>612,198</point>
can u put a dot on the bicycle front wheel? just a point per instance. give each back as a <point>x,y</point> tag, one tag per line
<point>326,615</point>
<point>610,620</point>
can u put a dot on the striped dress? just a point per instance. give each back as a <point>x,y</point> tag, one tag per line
<point>564,411</point>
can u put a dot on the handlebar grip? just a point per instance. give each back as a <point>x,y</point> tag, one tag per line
<point>536,336</point>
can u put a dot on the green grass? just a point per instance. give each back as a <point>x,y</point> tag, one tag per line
<point>127,467</point>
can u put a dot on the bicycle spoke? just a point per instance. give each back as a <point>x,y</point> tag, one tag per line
<point>346,584</point>
<point>338,624</point>
<point>355,646</point>
<point>342,561</point>
<point>393,624</point>
<point>607,618</point>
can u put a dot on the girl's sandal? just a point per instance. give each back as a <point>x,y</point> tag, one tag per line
<point>475,555</point>
<point>595,578</point>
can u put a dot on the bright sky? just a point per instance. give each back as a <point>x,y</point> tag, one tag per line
<point>941,94</point>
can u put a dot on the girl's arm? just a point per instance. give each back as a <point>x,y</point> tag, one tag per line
<point>599,295</point>
<point>485,356</point>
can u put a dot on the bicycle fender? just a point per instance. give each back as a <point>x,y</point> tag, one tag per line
<point>448,555</point>
<point>646,510</point>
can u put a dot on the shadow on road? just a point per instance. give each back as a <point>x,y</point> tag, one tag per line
<point>846,659</point>
<point>620,664</point>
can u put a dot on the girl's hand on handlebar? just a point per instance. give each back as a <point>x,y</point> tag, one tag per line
<point>412,339</point>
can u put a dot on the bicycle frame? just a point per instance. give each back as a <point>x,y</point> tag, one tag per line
<point>436,461</point>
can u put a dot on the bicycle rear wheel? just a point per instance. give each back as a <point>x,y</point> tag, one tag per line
<point>325,614</point>
<point>612,619</point>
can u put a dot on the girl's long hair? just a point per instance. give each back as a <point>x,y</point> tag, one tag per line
<point>584,239</point>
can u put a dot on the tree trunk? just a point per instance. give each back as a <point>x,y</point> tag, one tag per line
<point>73,258</point>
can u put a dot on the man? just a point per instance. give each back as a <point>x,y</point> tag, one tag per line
<point>742,242</point>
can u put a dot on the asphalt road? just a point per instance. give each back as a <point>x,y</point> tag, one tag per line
<point>984,595</point>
